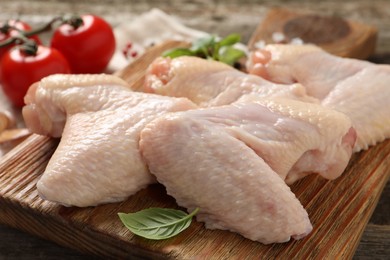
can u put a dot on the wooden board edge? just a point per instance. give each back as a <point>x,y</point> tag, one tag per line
<point>48,228</point>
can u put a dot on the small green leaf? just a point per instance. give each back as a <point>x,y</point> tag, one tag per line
<point>157,223</point>
<point>230,40</point>
<point>174,53</point>
<point>212,49</point>
<point>203,44</point>
<point>230,55</point>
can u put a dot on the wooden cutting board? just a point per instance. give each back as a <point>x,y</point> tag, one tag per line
<point>338,36</point>
<point>339,210</point>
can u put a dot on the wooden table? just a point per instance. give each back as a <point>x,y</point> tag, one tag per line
<point>216,17</point>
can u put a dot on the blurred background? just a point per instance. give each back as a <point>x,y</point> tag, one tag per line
<point>213,16</point>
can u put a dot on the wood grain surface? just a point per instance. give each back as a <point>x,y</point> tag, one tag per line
<point>334,34</point>
<point>212,16</point>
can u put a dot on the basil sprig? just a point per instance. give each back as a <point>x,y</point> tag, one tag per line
<point>157,223</point>
<point>210,47</point>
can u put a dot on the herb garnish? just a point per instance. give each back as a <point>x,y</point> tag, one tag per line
<point>211,48</point>
<point>157,223</point>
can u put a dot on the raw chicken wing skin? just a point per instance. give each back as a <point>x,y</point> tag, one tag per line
<point>211,83</point>
<point>301,138</point>
<point>365,98</point>
<point>232,162</point>
<point>359,89</point>
<point>99,119</point>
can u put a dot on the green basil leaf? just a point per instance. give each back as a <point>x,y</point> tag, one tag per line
<point>174,53</point>
<point>230,40</point>
<point>229,55</point>
<point>157,223</point>
<point>202,45</point>
<point>212,49</point>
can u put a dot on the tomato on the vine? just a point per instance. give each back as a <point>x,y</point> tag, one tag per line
<point>87,43</point>
<point>11,29</point>
<point>19,70</point>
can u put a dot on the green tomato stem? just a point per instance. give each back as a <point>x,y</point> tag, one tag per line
<point>74,20</point>
<point>29,47</point>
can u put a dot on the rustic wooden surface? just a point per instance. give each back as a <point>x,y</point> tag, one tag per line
<point>212,16</point>
<point>341,37</point>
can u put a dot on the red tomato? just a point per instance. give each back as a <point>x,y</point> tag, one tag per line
<point>19,70</point>
<point>6,32</point>
<point>87,48</point>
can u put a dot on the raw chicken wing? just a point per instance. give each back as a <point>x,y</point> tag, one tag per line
<point>359,89</point>
<point>99,119</point>
<point>232,162</point>
<point>211,83</point>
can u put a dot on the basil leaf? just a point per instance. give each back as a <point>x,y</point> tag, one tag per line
<point>229,55</point>
<point>230,40</point>
<point>203,45</point>
<point>174,53</point>
<point>212,49</point>
<point>157,223</point>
